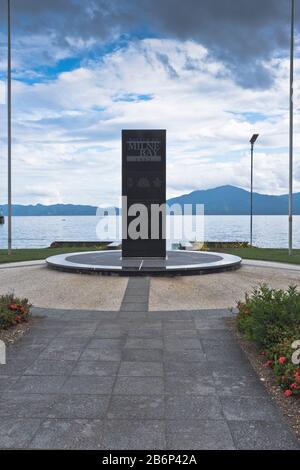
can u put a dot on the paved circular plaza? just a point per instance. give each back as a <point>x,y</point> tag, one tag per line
<point>54,289</point>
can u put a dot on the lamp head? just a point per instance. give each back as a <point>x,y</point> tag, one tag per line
<point>254,138</point>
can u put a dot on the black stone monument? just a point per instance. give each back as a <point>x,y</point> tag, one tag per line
<point>144,182</point>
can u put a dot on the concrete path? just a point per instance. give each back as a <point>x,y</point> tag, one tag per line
<point>271,264</point>
<point>23,264</point>
<point>134,379</point>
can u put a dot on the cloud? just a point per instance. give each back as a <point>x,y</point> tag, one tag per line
<point>242,34</point>
<point>45,195</point>
<point>67,130</point>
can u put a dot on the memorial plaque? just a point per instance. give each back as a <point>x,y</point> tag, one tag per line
<point>144,182</point>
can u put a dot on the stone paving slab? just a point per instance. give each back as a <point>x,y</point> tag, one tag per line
<point>133,407</point>
<point>261,435</point>
<point>135,380</point>
<point>69,434</point>
<point>199,434</point>
<point>71,406</point>
<point>27,405</point>
<point>134,434</point>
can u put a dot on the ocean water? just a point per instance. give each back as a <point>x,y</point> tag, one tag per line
<point>36,232</point>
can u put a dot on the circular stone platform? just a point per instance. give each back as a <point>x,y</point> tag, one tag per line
<point>177,263</point>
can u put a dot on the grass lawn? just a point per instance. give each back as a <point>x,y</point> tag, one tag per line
<point>41,253</point>
<point>266,254</point>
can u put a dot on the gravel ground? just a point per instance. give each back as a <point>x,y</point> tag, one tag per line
<point>290,407</point>
<point>221,290</point>
<point>48,288</point>
<point>11,335</point>
<point>53,289</point>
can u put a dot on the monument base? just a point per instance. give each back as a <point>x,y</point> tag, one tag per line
<point>180,263</point>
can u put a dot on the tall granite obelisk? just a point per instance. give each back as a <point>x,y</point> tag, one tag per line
<point>144,183</point>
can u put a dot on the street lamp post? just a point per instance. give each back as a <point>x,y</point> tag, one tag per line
<point>9,206</point>
<point>252,142</point>
<point>291,128</point>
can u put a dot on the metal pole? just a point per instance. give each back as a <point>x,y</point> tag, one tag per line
<point>291,128</point>
<point>251,198</point>
<point>9,207</point>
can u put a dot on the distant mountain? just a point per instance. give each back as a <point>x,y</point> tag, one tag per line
<point>224,200</point>
<point>230,200</point>
<point>55,209</point>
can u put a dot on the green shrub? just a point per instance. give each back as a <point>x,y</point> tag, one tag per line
<point>268,316</point>
<point>271,318</point>
<point>13,311</point>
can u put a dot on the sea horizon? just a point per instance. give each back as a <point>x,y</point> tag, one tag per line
<point>269,231</point>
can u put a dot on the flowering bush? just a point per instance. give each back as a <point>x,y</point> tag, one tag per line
<point>287,374</point>
<point>271,318</point>
<point>13,311</point>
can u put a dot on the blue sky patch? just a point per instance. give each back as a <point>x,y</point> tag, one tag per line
<point>251,117</point>
<point>133,97</point>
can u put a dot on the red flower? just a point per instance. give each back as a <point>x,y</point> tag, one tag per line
<point>297,376</point>
<point>18,318</point>
<point>269,363</point>
<point>282,360</point>
<point>294,385</point>
<point>288,393</point>
<point>22,309</point>
<point>13,307</point>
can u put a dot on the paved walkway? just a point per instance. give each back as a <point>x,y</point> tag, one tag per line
<point>271,264</point>
<point>134,379</point>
